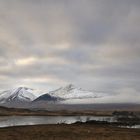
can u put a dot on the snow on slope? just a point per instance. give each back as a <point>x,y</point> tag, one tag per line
<point>22,94</point>
<point>72,92</point>
<point>68,94</point>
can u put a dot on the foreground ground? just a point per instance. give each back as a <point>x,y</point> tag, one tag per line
<point>69,132</point>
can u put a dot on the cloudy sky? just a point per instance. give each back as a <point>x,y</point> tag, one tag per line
<point>94,44</point>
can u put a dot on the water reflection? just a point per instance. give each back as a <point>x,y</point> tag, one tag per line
<point>33,120</point>
<point>132,126</point>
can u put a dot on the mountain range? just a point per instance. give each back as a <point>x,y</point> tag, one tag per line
<point>22,96</point>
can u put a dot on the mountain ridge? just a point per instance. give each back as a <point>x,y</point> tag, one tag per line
<point>23,95</point>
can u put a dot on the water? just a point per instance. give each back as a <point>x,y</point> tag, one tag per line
<point>34,120</point>
<point>8,121</point>
<point>133,126</point>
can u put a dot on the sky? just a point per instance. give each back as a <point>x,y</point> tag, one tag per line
<point>93,44</point>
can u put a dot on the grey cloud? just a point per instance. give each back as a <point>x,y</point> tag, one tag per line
<point>91,43</point>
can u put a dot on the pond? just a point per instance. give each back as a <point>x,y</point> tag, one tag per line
<point>8,121</point>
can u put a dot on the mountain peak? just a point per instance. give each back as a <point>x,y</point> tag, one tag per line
<point>70,86</point>
<point>71,92</point>
<point>20,94</point>
<point>22,87</point>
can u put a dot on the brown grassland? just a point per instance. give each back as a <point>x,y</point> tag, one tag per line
<point>69,132</point>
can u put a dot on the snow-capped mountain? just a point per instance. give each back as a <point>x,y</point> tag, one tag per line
<point>20,94</point>
<point>23,96</point>
<point>67,95</point>
<point>72,92</point>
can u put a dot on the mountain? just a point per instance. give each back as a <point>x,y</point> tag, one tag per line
<point>17,95</point>
<point>72,92</point>
<point>65,95</point>
<point>48,98</point>
<point>26,97</point>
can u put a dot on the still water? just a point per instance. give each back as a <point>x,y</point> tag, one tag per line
<point>9,121</point>
<point>34,120</point>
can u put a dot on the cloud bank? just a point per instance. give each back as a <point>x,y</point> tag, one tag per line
<point>93,44</point>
